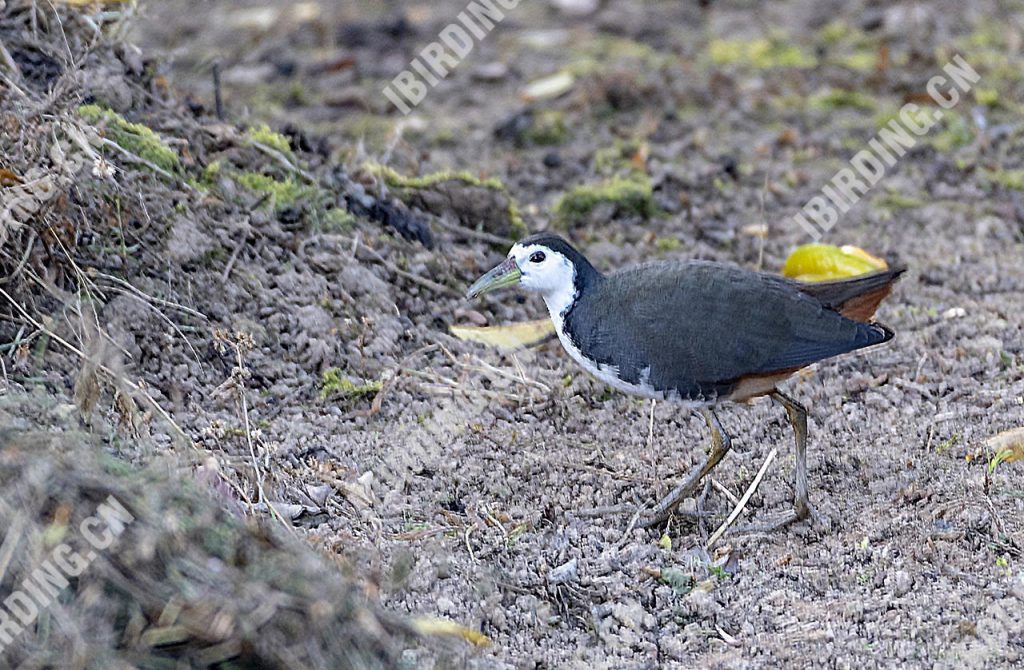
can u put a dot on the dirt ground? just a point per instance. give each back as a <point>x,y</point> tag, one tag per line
<point>462,472</point>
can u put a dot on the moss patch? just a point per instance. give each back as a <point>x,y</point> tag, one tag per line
<point>629,195</point>
<point>760,54</point>
<point>264,135</point>
<point>333,382</point>
<point>282,192</point>
<point>134,137</point>
<point>548,128</point>
<point>839,98</point>
<point>1011,179</point>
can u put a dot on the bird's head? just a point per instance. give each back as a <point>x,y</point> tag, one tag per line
<point>543,263</point>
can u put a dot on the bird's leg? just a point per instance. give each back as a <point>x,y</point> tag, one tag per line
<point>798,419</point>
<point>801,504</point>
<point>720,445</point>
<point>701,500</point>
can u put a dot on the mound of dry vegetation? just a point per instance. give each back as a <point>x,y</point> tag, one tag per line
<point>109,185</point>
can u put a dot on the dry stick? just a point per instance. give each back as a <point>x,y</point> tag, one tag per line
<point>416,279</point>
<point>11,540</point>
<point>153,298</point>
<point>743,501</point>
<point>151,165</point>
<point>725,492</point>
<point>24,259</point>
<point>283,160</point>
<point>127,382</point>
<point>252,449</point>
<point>650,427</point>
<point>218,101</point>
<point>8,60</point>
<point>481,235</point>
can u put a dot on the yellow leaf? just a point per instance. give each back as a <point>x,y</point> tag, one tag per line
<point>825,262</point>
<point>548,87</point>
<point>508,337</point>
<point>665,542</point>
<point>433,626</point>
<point>1008,445</point>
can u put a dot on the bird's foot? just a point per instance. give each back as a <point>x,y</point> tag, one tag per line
<point>783,520</point>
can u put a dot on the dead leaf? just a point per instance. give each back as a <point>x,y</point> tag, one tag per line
<point>87,389</point>
<point>8,178</point>
<point>549,87</point>
<point>433,626</point>
<point>509,337</point>
<point>1008,446</point>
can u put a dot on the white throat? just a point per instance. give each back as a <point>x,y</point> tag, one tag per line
<point>559,300</point>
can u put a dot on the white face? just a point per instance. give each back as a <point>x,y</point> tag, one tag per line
<point>545,271</point>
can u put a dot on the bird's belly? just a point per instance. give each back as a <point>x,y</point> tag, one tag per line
<point>609,374</point>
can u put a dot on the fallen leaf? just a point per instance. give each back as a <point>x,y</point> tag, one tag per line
<point>549,87</point>
<point>433,626</point>
<point>1008,446</point>
<point>825,262</point>
<point>508,337</point>
<point>8,178</point>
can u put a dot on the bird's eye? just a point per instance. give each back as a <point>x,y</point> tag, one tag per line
<point>537,257</point>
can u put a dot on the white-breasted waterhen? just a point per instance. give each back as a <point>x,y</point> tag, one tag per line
<point>697,332</point>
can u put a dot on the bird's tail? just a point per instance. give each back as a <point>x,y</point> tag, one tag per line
<point>856,298</point>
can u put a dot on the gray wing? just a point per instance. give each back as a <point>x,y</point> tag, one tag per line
<point>696,328</point>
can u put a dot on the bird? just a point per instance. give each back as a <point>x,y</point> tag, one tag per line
<point>698,333</point>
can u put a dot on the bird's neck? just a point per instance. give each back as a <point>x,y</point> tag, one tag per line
<point>561,300</point>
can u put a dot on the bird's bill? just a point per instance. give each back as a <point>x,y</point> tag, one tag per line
<point>506,274</point>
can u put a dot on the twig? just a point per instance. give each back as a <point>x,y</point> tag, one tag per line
<point>725,492</point>
<point>127,382</point>
<point>283,160</point>
<point>8,60</point>
<point>743,501</point>
<point>24,259</point>
<point>650,427</point>
<point>150,164</point>
<point>416,279</point>
<point>218,102</point>
<point>481,235</point>
<point>153,298</point>
<point>11,539</point>
<point>469,547</point>
<point>234,257</point>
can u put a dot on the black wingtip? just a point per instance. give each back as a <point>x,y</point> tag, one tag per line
<point>885,331</point>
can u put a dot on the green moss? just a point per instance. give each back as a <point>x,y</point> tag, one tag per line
<point>210,174</point>
<point>632,194</point>
<point>338,218</point>
<point>893,200</point>
<point>848,46</point>
<point>548,128</point>
<point>834,33</point>
<point>839,98</point>
<point>986,96</point>
<point>264,135</point>
<point>616,158</point>
<point>1011,179</point>
<point>954,133</point>
<point>950,132</point>
<point>859,60</point>
<point>333,382</point>
<point>282,192</point>
<point>760,54</point>
<point>668,244</point>
<point>133,137</point>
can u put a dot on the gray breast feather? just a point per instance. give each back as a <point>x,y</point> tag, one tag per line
<point>696,328</point>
